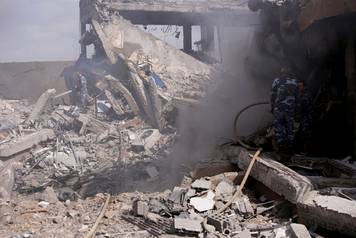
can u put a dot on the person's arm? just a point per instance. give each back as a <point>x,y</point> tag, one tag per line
<point>274,93</point>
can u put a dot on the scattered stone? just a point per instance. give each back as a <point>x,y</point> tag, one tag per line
<point>203,203</point>
<point>298,231</point>
<point>43,204</point>
<point>225,188</point>
<point>243,206</point>
<point>177,195</point>
<point>25,142</point>
<point>140,208</point>
<point>201,184</point>
<point>243,234</point>
<point>187,224</point>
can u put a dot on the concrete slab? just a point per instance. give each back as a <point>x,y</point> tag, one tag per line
<point>279,178</point>
<point>330,212</point>
<point>25,142</point>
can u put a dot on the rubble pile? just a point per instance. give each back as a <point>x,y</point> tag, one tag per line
<point>194,209</point>
<point>53,142</point>
<point>189,210</point>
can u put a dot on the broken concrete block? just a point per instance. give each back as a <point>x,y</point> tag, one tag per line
<point>25,142</point>
<point>41,104</point>
<point>140,208</point>
<point>201,184</point>
<point>150,138</point>
<point>225,188</point>
<point>43,204</point>
<point>204,203</point>
<point>243,206</point>
<point>243,234</point>
<point>177,195</point>
<point>224,224</point>
<point>298,231</point>
<point>61,158</point>
<point>7,179</point>
<point>188,224</point>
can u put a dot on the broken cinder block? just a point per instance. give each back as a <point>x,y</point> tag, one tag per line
<point>140,208</point>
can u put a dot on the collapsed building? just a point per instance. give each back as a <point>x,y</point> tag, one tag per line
<point>61,158</point>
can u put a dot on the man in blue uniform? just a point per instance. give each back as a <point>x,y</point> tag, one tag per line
<point>284,105</point>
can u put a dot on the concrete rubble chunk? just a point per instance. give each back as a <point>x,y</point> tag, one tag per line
<point>298,231</point>
<point>7,179</point>
<point>243,205</point>
<point>203,203</point>
<point>140,208</point>
<point>176,195</point>
<point>41,104</point>
<point>201,184</point>
<point>25,142</point>
<point>188,224</point>
<point>224,187</point>
<point>243,234</point>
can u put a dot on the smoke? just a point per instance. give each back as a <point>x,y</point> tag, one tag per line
<point>202,128</point>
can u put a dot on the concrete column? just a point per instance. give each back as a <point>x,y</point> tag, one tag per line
<point>83,47</point>
<point>187,38</point>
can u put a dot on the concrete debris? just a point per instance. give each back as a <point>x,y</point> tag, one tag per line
<point>298,231</point>
<point>140,208</point>
<point>244,207</point>
<point>225,188</point>
<point>26,142</point>
<point>201,184</point>
<point>203,203</point>
<point>187,224</point>
<point>244,234</point>
<point>7,179</point>
<point>333,213</point>
<point>41,104</point>
<point>277,177</point>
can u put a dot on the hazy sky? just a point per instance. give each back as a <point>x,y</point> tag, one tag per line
<point>39,30</point>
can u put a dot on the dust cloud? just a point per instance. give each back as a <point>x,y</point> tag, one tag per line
<point>204,127</point>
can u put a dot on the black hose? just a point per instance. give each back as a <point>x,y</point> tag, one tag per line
<point>238,140</point>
